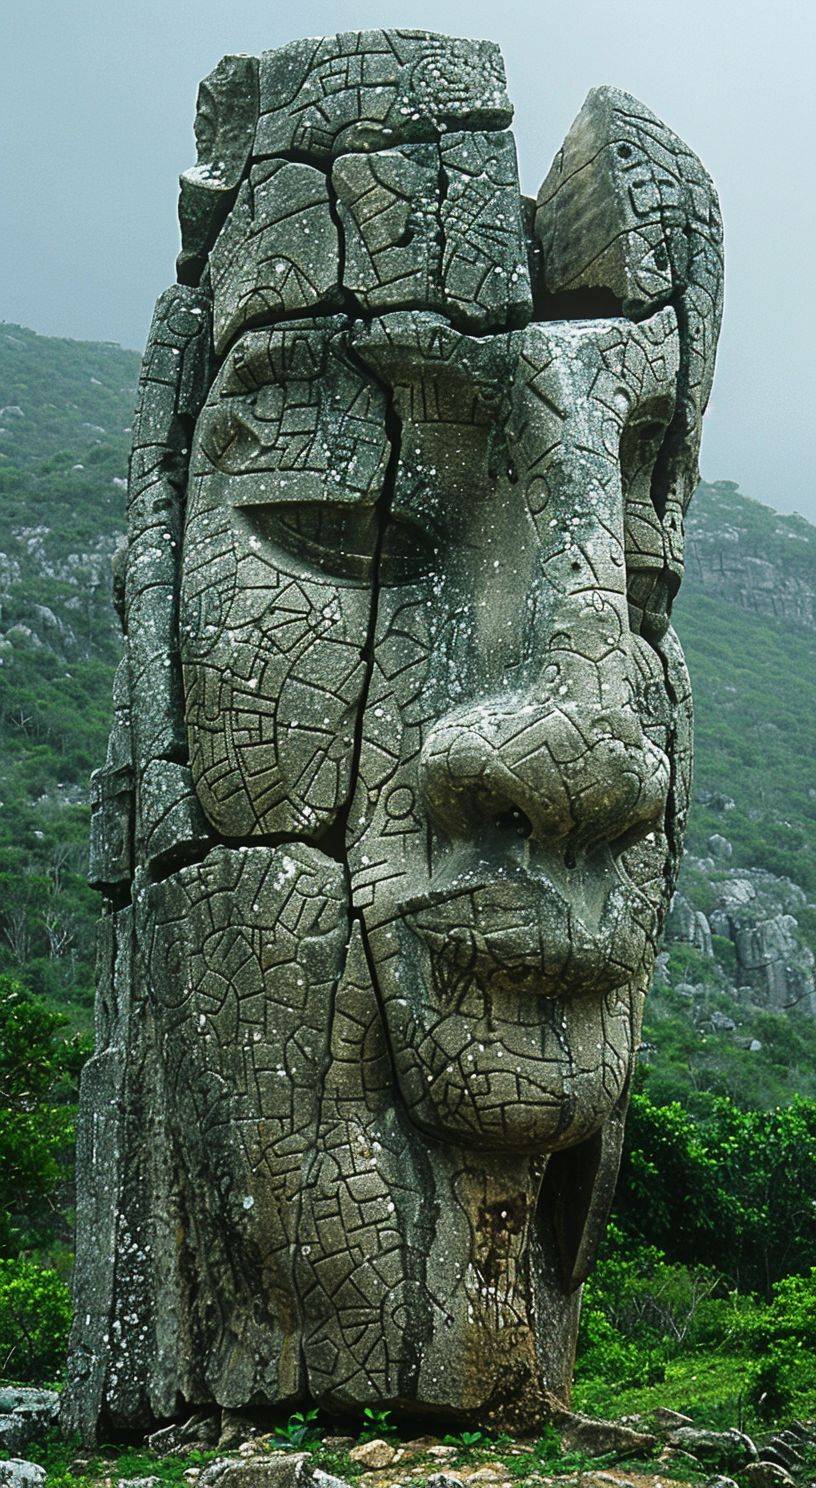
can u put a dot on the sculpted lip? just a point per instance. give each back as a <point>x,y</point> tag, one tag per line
<point>514,888</point>
<point>525,927</point>
<point>497,923</point>
<point>510,887</point>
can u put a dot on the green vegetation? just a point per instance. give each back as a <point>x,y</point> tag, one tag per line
<point>35,1315</point>
<point>64,435</point>
<point>754,735</point>
<point>58,1457</point>
<point>377,1424</point>
<point>39,1076</point>
<point>299,1431</point>
<point>679,1063</point>
<point>658,1333</point>
<point>68,1467</point>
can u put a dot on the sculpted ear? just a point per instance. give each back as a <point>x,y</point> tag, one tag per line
<point>628,209</point>
<point>577,1194</point>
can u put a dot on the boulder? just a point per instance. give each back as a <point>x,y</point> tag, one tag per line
<point>272,1470</point>
<point>166,1441</point>
<point>687,924</point>
<point>677,1458</point>
<point>236,1427</point>
<point>373,1454</point>
<point>766,1475</point>
<point>419,1445</point>
<point>16,1473</point>
<point>202,1427</point>
<point>782,1453</point>
<point>321,1479</point>
<point>199,1430</point>
<point>722,1449</point>
<point>585,1434</point>
<point>24,1415</point>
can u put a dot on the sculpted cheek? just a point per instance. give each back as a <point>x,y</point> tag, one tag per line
<point>271,646</point>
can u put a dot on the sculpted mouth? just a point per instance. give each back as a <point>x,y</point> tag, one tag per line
<point>520,926</point>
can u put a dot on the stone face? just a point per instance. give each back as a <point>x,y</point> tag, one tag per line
<point>401,757</point>
<point>226,117</point>
<point>628,209</point>
<point>439,226</point>
<point>271,647</point>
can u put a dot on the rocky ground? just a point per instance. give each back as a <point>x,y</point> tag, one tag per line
<point>771,964</point>
<point>229,1450</point>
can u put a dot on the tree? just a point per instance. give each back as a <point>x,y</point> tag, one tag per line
<point>39,1072</point>
<point>736,1191</point>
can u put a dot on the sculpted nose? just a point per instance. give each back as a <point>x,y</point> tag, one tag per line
<point>551,769</point>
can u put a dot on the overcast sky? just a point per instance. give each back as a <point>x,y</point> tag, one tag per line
<point>97,100</point>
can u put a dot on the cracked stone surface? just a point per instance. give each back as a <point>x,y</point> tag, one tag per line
<point>401,755</point>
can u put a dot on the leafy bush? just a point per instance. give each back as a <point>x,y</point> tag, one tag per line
<point>639,1311</point>
<point>783,1382</point>
<point>735,1192</point>
<point>39,1072</point>
<point>35,1315</point>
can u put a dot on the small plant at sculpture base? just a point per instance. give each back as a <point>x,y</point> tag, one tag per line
<point>299,1431</point>
<point>377,1424</point>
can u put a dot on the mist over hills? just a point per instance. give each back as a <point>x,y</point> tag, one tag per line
<point>734,1005</point>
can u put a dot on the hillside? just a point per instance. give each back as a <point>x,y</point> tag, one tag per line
<point>734,1007</point>
<point>65,408</point>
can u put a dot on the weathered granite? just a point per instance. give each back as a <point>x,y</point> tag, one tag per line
<point>396,789</point>
<point>25,1415</point>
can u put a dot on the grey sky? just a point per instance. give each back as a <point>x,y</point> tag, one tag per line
<point>97,100</point>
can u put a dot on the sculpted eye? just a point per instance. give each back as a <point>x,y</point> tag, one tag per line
<point>408,551</point>
<point>344,541</point>
<point>652,550</point>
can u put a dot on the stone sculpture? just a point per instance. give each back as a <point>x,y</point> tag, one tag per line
<point>400,761</point>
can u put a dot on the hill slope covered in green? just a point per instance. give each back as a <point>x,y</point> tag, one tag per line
<point>65,411</point>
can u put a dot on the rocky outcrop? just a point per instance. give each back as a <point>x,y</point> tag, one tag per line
<point>25,1414</point>
<point>743,552</point>
<point>78,619</point>
<point>757,912</point>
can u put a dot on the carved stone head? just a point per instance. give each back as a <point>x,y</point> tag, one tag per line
<point>410,735</point>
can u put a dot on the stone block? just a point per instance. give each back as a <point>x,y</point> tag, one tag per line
<point>277,253</point>
<point>369,90</point>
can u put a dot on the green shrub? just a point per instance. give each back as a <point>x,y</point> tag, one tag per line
<point>783,1382</point>
<point>35,1314</point>
<point>735,1192</point>
<point>39,1074</point>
